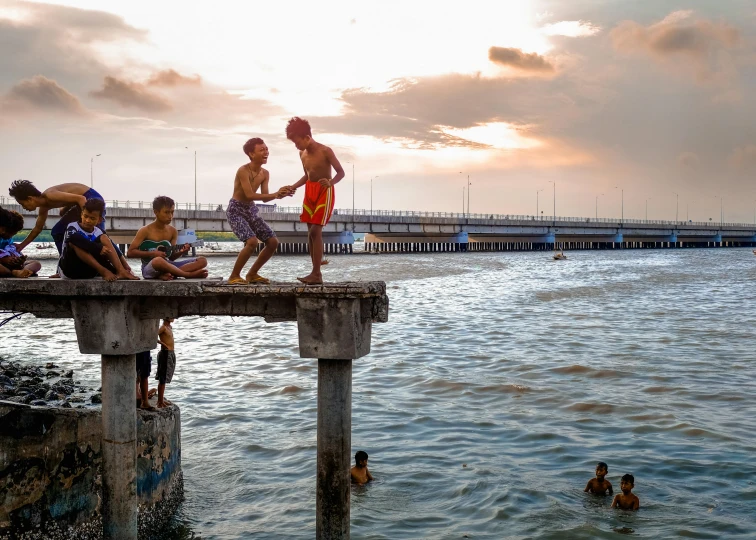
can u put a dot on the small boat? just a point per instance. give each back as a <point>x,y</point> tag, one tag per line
<point>560,256</point>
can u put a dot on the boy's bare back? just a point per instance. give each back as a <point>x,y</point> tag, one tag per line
<point>256,180</point>
<point>317,162</point>
<point>360,475</point>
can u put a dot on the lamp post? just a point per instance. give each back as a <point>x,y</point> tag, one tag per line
<point>371,194</point>
<point>537,192</point>
<point>468,197</point>
<point>677,207</point>
<point>553,182</point>
<point>622,191</point>
<point>647,207</point>
<point>91,170</point>
<point>463,201</point>
<point>352,164</point>
<point>195,177</point>
<point>721,210</point>
<point>597,196</point>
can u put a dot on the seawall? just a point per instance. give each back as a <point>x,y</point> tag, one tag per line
<point>50,470</point>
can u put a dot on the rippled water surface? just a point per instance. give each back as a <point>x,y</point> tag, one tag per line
<point>498,383</point>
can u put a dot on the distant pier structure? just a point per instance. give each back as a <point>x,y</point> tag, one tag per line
<point>119,319</point>
<point>423,232</point>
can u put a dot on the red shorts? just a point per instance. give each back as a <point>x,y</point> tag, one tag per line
<point>318,204</point>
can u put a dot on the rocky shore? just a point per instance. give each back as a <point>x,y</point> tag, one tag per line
<point>45,386</point>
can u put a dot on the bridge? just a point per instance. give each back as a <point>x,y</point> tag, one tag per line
<point>410,231</point>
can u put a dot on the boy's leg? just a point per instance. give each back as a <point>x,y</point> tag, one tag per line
<point>246,252</point>
<point>267,252</point>
<point>92,262</point>
<point>315,242</point>
<point>163,266</point>
<point>33,266</point>
<point>266,235</point>
<point>114,256</point>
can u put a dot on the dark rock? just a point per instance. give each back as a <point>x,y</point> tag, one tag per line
<point>41,392</point>
<point>97,398</point>
<point>36,380</point>
<point>76,399</point>
<point>39,403</point>
<point>10,372</point>
<point>50,365</point>
<point>68,374</point>
<point>16,399</point>
<point>51,395</point>
<point>5,380</point>
<point>51,374</point>
<point>28,398</point>
<point>64,404</point>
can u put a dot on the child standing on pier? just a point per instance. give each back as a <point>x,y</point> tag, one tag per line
<point>87,251</point>
<point>243,214</point>
<point>318,161</point>
<point>70,197</point>
<point>155,244</point>
<point>14,263</point>
<point>166,362</point>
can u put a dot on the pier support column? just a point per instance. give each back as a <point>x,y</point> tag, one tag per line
<point>333,487</point>
<point>119,462</point>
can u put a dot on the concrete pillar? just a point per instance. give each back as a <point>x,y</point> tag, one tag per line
<point>334,449</point>
<point>119,490</point>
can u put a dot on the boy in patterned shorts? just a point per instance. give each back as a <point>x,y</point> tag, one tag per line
<point>317,160</point>
<point>243,214</point>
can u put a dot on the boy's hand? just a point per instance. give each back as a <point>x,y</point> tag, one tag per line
<point>325,182</point>
<point>183,249</point>
<point>158,253</point>
<point>105,250</point>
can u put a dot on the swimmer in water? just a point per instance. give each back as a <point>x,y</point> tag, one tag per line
<point>626,500</point>
<point>599,485</point>
<point>360,473</point>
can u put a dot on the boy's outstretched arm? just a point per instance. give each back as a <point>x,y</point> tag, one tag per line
<point>38,227</point>
<point>588,486</point>
<point>243,179</point>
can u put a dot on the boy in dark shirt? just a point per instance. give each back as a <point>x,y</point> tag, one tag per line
<point>599,485</point>
<point>88,252</point>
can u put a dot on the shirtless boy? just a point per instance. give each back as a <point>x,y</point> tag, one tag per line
<point>69,197</point>
<point>155,244</point>
<point>360,473</point>
<point>626,500</point>
<point>317,160</point>
<point>599,485</point>
<point>166,362</point>
<point>243,214</point>
<point>14,262</point>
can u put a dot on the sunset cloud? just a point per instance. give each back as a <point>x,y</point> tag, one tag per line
<point>131,94</point>
<point>170,77</point>
<point>743,158</point>
<point>516,59</point>
<point>43,94</point>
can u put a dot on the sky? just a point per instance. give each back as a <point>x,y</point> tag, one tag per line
<point>596,101</point>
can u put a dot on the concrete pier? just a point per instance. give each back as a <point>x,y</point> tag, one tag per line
<point>117,320</point>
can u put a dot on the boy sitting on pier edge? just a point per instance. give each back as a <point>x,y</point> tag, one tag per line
<point>360,473</point>
<point>317,161</point>
<point>243,214</point>
<point>87,251</point>
<point>12,262</point>
<point>155,244</point>
<point>599,485</point>
<point>69,197</point>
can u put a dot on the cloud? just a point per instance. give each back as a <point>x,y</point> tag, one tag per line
<point>677,34</point>
<point>688,161</point>
<point>42,94</point>
<point>131,94</point>
<point>515,58</point>
<point>571,29</point>
<point>743,158</point>
<point>170,77</point>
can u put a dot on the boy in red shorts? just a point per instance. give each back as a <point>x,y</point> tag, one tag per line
<point>317,161</point>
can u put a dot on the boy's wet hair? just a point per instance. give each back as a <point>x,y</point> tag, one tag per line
<point>22,190</point>
<point>161,202</point>
<point>11,221</point>
<point>360,456</point>
<point>602,465</point>
<point>298,127</point>
<point>250,145</point>
<point>95,205</point>
<point>628,478</point>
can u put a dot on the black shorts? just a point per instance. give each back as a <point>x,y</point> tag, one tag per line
<point>166,366</point>
<point>143,364</point>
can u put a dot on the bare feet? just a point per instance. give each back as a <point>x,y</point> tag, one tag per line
<point>152,393</point>
<point>24,273</point>
<point>312,279</point>
<point>127,275</point>
<point>202,273</point>
<point>109,276</point>
<point>55,276</point>
<point>163,404</point>
<point>166,276</point>
<point>145,406</point>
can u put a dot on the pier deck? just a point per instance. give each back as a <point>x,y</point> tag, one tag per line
<point>119,319</point>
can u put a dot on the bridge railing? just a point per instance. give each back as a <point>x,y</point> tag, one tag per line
<point>362,213</point>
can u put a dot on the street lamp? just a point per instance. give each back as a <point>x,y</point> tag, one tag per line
<point>721,210</point>
<point>352,164</point>
<point>647,207</point>
<point>371,194</point>
<point>597,196</point>
<point>91,170</point>
<point>195,177</point>
<point>677,207</point>
<point>537,192</point>
<point>553,182</point>
<point>622,190</point>
<point>468,196</point>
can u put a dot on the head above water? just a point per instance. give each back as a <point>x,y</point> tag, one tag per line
<point>256,150</point>
<point>91,214</point>
<point>10,223</point>
<point>25,194</point>
<point>163,207</point>
<point>601,466</point>
<point>298,131</point>
<point>168,320</point>
<point>360,456</point>
<point>628,479</point>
